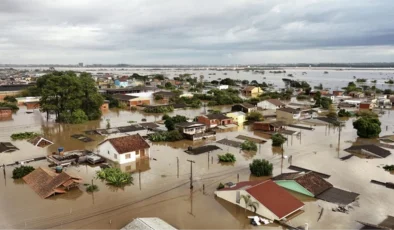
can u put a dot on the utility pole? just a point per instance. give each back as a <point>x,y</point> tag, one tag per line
<point>191,173</point>
<point>177,167</point>
<point>139,179</point>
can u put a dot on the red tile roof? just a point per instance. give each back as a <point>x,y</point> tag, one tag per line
<point>275,198</point>
<point>128,143</point>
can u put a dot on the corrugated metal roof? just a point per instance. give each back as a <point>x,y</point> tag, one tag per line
<point>148,224</point>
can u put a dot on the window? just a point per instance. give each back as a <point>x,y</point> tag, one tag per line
<point>115,156</point>
<point>137,152</point>
<point>238,197</point>
<point>128,156</point>
<point>108,152</point>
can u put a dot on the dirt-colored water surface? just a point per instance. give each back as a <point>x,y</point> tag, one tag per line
<point>165,194</point>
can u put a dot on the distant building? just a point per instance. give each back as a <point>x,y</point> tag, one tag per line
<point>244,107</point>
<point>80,64</point>
<point>288,114</point>
<point>270,104</point>
<point>238,117</point>
<point>366,106</point>
<point>222,87</point>
<point>214,120</point>
<point>252,90</point>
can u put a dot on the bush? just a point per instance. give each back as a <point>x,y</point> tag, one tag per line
<point>13,106</point>
<point>367,127</point>
<point>92,188</point>
<point>388,167</point>
<point>228,157</point>
<point>278,139</point>
<point>21,171</point>
<point>159,97</point>
<point>254,116</point>
<point>170,122</point>
<point>173,135</point>
<point>159,109</point>
<point>389,82</point>
<point>115,177</point>
<point>10,99</point>
<point>24,136</point>
<point>361,80</point>
<point>249,146</point>
<point>261,167</point>
<point>344,113</point>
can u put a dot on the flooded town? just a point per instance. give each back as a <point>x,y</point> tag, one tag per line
<point>185,142</point>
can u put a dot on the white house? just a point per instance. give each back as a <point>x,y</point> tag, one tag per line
<point>222,87</point>
<point>124,149</point>
<point>191,128</point>
<point>270,104</point>
<point>273,201</point>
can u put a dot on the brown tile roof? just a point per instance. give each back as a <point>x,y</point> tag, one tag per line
<point>310,181</point>
<point>275,198</point>
<point>288,110</point>
<point>45,182</point>
<point>128,143</point>
<point>249,88</point>
<point>275,102</point>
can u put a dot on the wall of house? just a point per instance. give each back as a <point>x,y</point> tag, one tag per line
<point>238,119</point>
<point>6,113</point>
<point>32,105</point>
<point>293,186</point>
<point>139,101</point>
<point>205,120</point>
<point>231,196</point>
<point>193,130</point>
<point>285,116</point>
<point>266,105</point>
<point>107,151</point>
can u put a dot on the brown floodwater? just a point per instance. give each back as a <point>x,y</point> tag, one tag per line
<point>165,193</point>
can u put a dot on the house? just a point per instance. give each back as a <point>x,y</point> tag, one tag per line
<point>356,94</point>
<point>244,107</point>
<point>270,104</point>
<point>308,114</point>
<point>252,90</point>
<point>288,114</point>
<point>337,93</point>
<point>213,120</point>
<point>29,102</point>
<point>130,100</point>
<point>40,142</point>
<point>46,182</point>
<point>269,126</point>
<point>238,117</point>
<point>274,202</point>
<point>222,87</point>
<point>151,223</point>
<point>366,106</point>
<point>5,113</point>
<point>124,149</point>
<point>369,150</point>
<point>309,183</point>
<point>194,130</point>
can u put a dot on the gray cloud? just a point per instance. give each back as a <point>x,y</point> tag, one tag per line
<point>195,31</point>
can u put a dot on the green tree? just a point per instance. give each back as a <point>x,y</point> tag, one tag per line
<point>168,85</point>
<point>249,203</point>
<point>278,139</point>
<point>91,99</point>
<point>245,82</point>
<point>254,116</point>
<point>21,171</point>
<point>344,113</point>
<point>228,157</point>
<point>10,99</point>
<point>249,146</point>
<point>261,167</point>
<point>367,127</point>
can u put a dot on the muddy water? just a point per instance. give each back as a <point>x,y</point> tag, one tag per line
<point>165,193</point>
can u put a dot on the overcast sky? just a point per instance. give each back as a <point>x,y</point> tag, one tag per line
<point>195,31</point>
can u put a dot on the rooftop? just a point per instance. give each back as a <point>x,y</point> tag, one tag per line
<point>189,124</point>
<point>148,224</point>
<point>128,143</point>
<point>374,149</point>
<point>288,110</point>
<point>275,102</point>
<point>310,181</point>
<point>217,116</point>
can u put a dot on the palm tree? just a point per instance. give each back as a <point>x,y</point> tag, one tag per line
<point>250,203</point>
